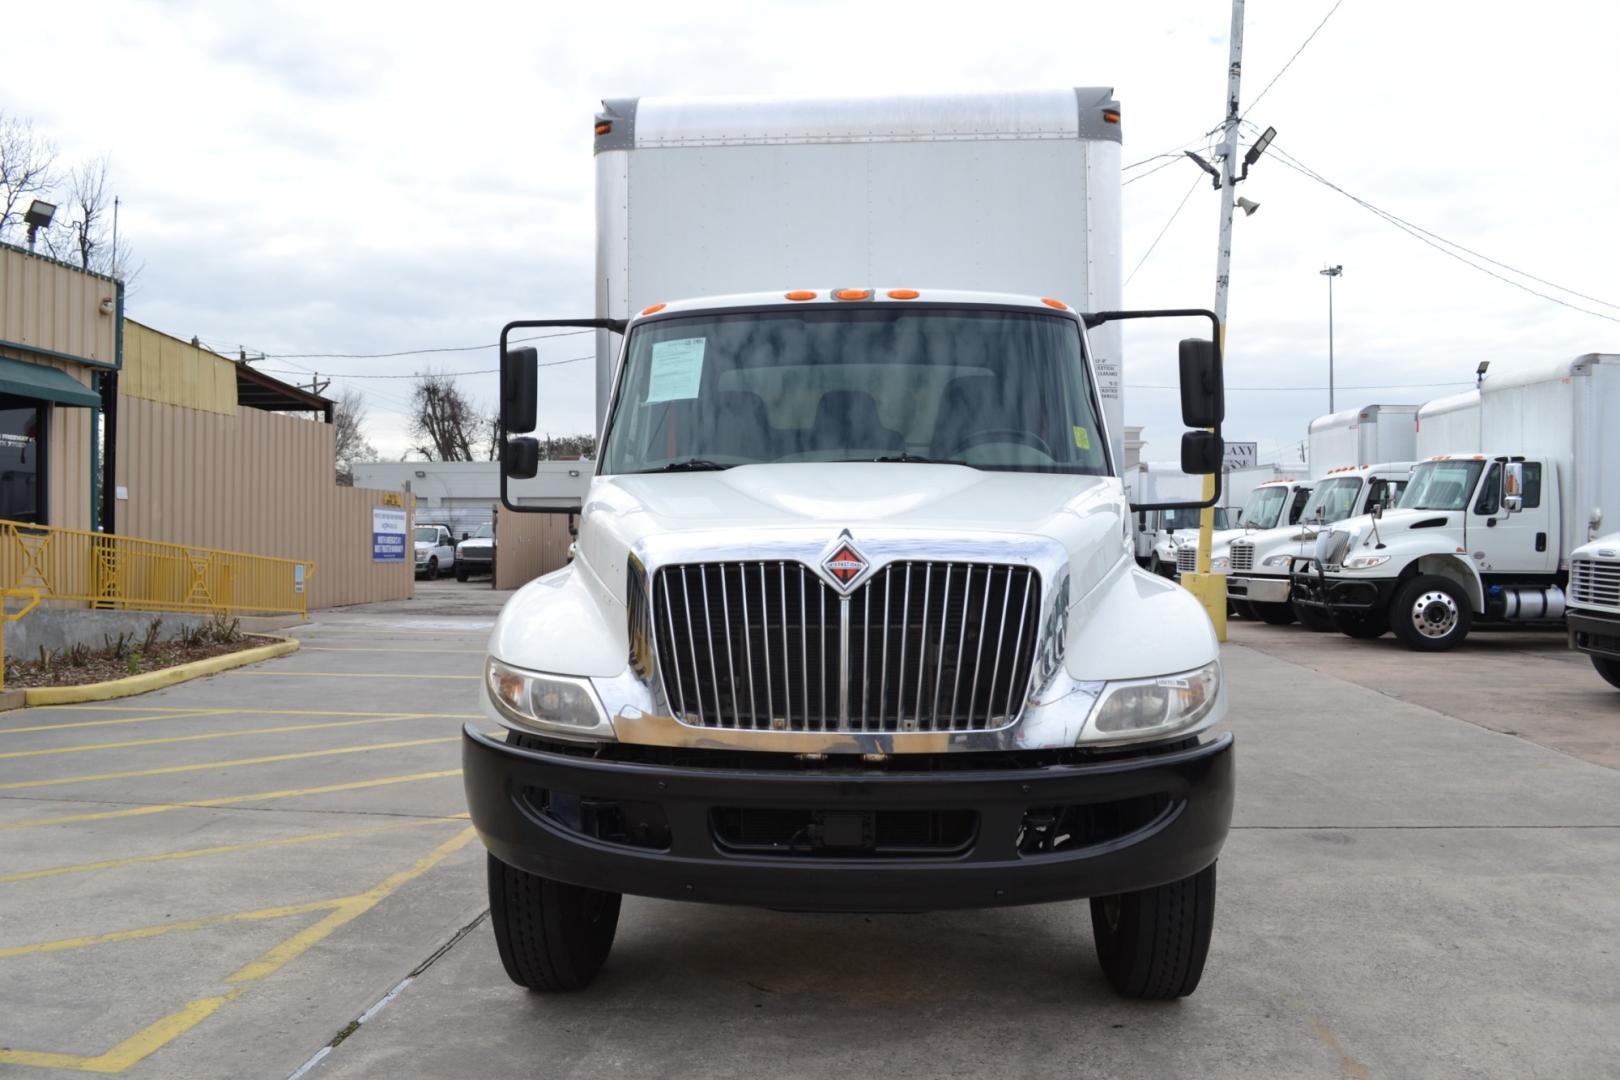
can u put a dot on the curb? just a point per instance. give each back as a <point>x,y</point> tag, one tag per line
<point>156,680</point>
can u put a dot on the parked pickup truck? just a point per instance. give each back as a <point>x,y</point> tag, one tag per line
<point>435,550</point>
<point>476,554</point>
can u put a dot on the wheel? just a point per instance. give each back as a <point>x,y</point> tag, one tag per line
<point>433,568</point>
<point>1430,613</point>
<point>1244,610</point>
<point>1609,669</point>
<point>461,572</point>
<point>1152,944</point>
<point>1160,568</point>
<point>551,936</point>
<point>1273,614</point>
<point>1315,620</point>
<point>1366,627</point>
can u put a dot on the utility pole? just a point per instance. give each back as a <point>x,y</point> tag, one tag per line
<point>1330,273</point>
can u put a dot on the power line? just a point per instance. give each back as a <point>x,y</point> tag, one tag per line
<point>416,352</point>
<point>1364,386</point>
<point>1444,246</point>
<point>1291,59</point>
<point>419,374</point>
<point>1142,176</point>
<point>1174,214</point>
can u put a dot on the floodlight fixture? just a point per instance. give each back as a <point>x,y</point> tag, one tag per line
<point>38,216</point>
<point>1259,146</point>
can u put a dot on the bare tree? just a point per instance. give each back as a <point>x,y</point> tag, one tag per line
<point>27,170</point>
<point>348,428</point>
<point>83,232</point>
<point>445,419</point>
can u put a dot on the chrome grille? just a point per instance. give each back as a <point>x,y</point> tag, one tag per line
<point>1242,555</point>
<point>1186,559</point>
<point>918,646</point>
<point>1594,584</point>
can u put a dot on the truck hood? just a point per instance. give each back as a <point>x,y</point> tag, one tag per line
<point>1084,514</point>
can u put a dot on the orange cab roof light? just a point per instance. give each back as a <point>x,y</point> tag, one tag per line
<point>1110,116</point>
<point>653,309</point>
<point>1051,303</point>
<point>902,294</point>
<point>800,294</point>
<point>852,294</point>
<point>604,126</point>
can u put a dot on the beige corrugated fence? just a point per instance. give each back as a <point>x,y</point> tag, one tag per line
<point>528,545</point>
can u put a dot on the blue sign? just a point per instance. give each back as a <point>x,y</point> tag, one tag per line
<point>387,534</point>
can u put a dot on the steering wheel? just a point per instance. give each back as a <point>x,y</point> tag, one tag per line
<point>1028,438</point>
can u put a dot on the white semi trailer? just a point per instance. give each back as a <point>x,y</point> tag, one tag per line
<point>854,622</point>
<point>1483,537</point>
<point>1362,436</point>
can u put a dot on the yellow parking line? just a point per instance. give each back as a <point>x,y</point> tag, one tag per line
<point>345,675</point>
<point>209,735</point>
<point>141,932</point>
<point>265,760</point>
<point>328,648</point>
<point>220,849</point>
<point>161,1032</point>
<point>179,713</point>
<point>122,720</point>
<point>228,800</point>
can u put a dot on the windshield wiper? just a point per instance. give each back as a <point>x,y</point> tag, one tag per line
<point>904,457</point>
<point>689,465</point>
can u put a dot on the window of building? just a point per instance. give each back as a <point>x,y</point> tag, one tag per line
<point>22,474</point>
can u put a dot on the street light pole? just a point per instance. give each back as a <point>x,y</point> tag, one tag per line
<point>1330,273</point>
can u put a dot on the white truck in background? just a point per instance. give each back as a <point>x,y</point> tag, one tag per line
<point>1593,611</point>
<point>1483,537</point>
<point>1362,436</point>
<point>1257,564</point>
<point>854,622</point>
<point>1239,485</point>
<point>1161,534</point>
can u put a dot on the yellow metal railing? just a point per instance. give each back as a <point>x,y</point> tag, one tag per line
<point>106,571</point>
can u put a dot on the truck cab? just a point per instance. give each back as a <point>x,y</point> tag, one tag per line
<point>435,550</point>
<point>476,553</point>
<point>1474,537</point>
<point>1258,562</point>
<point>1594,604</point>
<point>855,624</point>
<point>1161,534</point>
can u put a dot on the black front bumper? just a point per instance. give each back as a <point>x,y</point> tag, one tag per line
<point>514,795</point>
<point>1595,635</point>
<point>1314,589</point>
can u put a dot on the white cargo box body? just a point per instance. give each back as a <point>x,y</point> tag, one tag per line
<point>1239,484</point>
<point>1002,192</point>
<point>1448,425</point>
<point>1364,436</point>
<point>1568,412</point>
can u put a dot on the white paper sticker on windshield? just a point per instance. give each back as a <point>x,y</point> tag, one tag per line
<point>677,369</point>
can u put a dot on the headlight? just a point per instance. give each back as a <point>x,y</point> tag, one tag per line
<point>1276,560</point>
<point>555,704</point>
<point>1220,564</point>
<point>1365,562</point>
<point>1152,708</point>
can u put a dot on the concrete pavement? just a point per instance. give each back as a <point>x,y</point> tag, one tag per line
<point>1408,892</point>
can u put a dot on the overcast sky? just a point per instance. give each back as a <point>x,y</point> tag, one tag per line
<point>359,178</point>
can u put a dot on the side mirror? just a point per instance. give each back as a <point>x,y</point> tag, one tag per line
<point>1513,487</point>
<point>520,458</point>
<point>1201,451</point>
<point>1203,398</point>
<point>1378,511</point>
<point>520,389</point>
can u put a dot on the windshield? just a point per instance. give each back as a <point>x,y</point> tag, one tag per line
<point>1441,485</point>
<point>486,531</point>
<point>996,390</point>
<point>1188,519</point>
<point>426,535</point>
<point>1264,507</point>
<point>1333,500</point>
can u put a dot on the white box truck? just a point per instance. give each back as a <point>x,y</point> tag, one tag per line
<point>1239,484</point>
<point>1161,534</point>
<point>1448,425</point>
<point>854,623</point>
<point>1364,436</point>
<point>1483,537</point>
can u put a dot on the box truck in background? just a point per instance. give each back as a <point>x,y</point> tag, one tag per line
<point>1364,436</point>
<point>854,622</point>
<point>1448,425</point>
<point>1239,484</point>
<point>1483,537</point>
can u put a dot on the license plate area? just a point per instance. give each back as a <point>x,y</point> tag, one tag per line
<point>843,834</point>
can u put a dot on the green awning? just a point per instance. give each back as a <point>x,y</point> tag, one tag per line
<point>36,381</point>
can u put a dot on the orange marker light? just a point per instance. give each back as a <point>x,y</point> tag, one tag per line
<point>1049,302</point>
<point>902,294</point>
<point>604,127</point>
<point>852,294</point>
<point>653,309</point>
<point>1110,116</point>
<point>800,294</point>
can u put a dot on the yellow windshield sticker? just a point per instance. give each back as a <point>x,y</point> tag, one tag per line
<point>1082,438</point>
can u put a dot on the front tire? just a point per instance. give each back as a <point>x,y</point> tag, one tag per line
<point>1160,568</point>
<point>1152,944</point>
<point>461,572</point>
<point>1609,669</point>
<point>433,568</point>
<point>1430,613</point>
<point>1313,619</point>
<point>1273,614</point>
<point>552,936</point>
